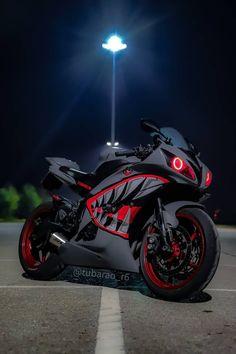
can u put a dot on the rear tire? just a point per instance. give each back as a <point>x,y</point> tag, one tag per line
<point>48,268</point>
<point>202,271</point>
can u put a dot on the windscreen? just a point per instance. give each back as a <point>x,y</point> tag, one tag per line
<point>176,138</point>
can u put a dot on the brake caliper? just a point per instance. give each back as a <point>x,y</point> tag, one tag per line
<point>152,241</point>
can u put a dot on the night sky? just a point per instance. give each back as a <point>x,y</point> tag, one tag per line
<point>55,81</point>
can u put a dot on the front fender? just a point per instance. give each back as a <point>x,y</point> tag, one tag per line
<point>170,210</point>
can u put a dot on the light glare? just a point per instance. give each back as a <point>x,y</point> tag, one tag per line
<point>114,44</point>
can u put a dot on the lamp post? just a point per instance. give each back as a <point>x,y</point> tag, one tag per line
<point>114,44</point>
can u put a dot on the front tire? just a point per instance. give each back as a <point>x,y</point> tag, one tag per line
<point>38,262</point>
<point>196,253</point>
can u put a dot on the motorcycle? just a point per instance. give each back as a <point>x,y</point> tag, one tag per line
<point>140,211</point>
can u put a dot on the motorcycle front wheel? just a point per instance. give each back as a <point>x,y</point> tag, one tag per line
<point>193,260</point>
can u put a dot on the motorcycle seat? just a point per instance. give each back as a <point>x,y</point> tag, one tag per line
<point>72,173</point>
<point>80,176</point>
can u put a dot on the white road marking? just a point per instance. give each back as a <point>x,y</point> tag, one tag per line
<point>226,229</point>
<point>110,334</point>
<point>104,313</point>
<point>226,290</point>
<point>8,260</point>
<point>47,286</point>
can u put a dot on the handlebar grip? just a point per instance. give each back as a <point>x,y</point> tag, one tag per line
<point>125,153</point>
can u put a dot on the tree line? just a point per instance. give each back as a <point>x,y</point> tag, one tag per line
<point>16,204</point>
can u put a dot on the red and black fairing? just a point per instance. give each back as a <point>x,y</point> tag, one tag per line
<point>112,206</point>
<point>115,207</point>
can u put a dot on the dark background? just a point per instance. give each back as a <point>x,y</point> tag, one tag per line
<point>55,83</point>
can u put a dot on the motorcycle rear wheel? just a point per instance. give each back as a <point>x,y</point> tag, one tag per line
<point>194,260</point>
<point>38,263</point>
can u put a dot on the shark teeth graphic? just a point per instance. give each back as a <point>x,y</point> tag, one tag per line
<point>127,217</point>
<point>148,187</point>
<point>123,229</point>
<point>132,185</point>
<point>125,223</point>
<point>99,217</point>
<point>99,201</point>
<point>113,224</point>
<point>107,197</point>
<point>118,192</point>
<point>95,213</point>
<point>137,187</point>
<point>103,218</point>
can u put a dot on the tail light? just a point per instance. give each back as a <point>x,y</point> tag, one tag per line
<point>208,179</point>
<point>179,165</point>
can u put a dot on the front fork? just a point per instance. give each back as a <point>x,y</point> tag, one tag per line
<point>165,239</point>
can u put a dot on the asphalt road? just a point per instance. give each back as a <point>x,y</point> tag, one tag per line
<point>62,317</point>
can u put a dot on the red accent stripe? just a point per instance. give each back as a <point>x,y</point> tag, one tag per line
<point>84,185</point>
<point>124,210</point>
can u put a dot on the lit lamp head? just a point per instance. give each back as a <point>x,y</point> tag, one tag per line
<point>114,145</point>
<point>114,44</point>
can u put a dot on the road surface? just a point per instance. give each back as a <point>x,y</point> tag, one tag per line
<point>62,317</point>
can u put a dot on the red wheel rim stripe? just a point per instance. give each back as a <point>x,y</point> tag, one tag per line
<point>26,243</point>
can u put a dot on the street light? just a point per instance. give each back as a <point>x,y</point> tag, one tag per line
<point>114,44</point>
<point>116,143</point>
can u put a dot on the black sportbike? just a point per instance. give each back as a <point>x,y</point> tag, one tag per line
<point>139,211</point>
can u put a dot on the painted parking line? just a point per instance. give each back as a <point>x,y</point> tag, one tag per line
<point>47,286</point>
<point>110,333</point>
<point>222,290</point>
<point>9,260</point>
<point>226,229</point>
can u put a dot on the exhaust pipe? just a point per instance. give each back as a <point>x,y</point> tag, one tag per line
<point>57,240</point>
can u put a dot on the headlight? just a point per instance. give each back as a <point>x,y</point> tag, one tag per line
<point>181,166</point>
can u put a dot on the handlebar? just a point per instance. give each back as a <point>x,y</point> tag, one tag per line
<point>141,152</point>
<point>126,153</point>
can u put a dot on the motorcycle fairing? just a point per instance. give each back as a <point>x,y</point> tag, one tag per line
<point>102,252</point>
<point>119,196</point>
